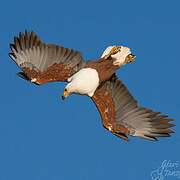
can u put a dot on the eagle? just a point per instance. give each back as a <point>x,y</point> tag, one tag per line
<point>121,115</point>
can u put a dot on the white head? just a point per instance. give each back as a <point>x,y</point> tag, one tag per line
<point>120,55</point>
<point>67,91</point>
<point>84,82</point>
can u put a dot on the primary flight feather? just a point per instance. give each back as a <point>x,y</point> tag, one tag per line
<point>119,111</point>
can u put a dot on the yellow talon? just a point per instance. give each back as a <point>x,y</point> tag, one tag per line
<point>113,51</point>
<point>130,58</point>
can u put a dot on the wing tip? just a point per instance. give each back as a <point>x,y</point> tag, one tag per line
<point>153,134</point>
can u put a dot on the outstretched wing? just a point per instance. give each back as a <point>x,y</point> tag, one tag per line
<point>121,114</point>
<point>43,63</point>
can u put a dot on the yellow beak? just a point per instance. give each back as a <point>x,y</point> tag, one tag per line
<point>65,94</point>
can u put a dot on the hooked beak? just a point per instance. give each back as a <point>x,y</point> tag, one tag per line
<point>65,94</point>
<point>130,58</point>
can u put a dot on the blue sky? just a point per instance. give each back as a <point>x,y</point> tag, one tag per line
<point>45,138</point>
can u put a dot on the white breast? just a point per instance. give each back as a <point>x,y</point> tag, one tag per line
<point>84,81</point>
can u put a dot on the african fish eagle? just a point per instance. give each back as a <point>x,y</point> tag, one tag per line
<point>120,113</point>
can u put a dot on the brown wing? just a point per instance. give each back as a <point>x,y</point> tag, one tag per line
<point>43,63</point>
<point>121,114</point>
